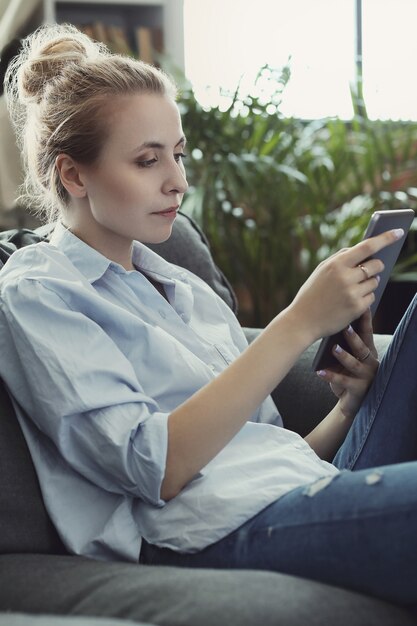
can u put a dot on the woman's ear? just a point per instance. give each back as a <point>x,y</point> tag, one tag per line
<point>69,174</point>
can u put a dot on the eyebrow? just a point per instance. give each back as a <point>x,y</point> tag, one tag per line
<point>158,145</point>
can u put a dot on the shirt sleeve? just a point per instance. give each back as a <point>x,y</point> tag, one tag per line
<point>78,387</point>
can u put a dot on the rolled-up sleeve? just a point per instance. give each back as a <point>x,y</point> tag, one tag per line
<point>80,389</point>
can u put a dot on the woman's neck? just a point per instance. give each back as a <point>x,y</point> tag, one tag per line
<point>111,245</point>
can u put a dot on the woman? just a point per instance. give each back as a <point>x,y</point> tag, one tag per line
<point>147,415</point>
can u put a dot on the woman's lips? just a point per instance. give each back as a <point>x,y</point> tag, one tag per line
<point>171,212</point>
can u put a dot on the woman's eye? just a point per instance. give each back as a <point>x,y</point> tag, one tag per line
<point>180,156</point>
<point>147,163</point>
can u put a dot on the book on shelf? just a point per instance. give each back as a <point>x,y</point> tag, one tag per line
<point>118,41</point>
<point>149,41</point>
<point>100,32</point>
<point>87,29</point>
<point>114,37</point>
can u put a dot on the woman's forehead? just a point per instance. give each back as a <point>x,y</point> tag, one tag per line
<point>144,118</point>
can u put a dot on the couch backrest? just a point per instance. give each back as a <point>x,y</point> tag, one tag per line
<point>24,522</point>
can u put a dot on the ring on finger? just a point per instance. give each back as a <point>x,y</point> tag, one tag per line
<point>365,271</point>
<point>363,358</point>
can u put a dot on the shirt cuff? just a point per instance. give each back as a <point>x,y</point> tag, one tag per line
<point>150,446</point>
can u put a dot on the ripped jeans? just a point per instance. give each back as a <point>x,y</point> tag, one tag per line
<point>358,529</point>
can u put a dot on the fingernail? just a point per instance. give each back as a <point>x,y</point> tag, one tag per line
<point>337,349</point>
<point>350,330</point>
<point>398,232</point>
<point>378,278</point>
<point>321,373</point>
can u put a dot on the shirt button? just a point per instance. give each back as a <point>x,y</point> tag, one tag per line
<point>212,367</point>
<point>162,314</point>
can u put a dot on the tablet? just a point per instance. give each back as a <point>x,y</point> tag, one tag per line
<point>380,222</point>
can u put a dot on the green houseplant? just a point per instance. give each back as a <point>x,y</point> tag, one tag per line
<point>276,194</point>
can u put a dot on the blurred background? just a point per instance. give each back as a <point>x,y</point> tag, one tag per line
<point>301,117</point>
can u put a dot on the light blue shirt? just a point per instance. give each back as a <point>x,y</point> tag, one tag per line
<point>95,359</point>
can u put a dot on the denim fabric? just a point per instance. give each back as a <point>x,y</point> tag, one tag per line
<point>357,529</point>
<point>385,428</point>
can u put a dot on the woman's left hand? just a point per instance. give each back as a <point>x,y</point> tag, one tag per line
<point>355,376</point>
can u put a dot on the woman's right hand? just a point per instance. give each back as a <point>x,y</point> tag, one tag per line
<point>339,290</point>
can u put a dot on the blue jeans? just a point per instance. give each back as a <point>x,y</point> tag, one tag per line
<point>358,529</point>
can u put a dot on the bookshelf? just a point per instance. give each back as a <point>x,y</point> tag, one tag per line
<point>136,25</point>
<point>150,24</point>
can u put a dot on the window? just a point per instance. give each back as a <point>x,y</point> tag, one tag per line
<point>227,41</point>
<point>389,55</point>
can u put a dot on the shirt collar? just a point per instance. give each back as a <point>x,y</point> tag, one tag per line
<point>87,260</point>
<point>93,265</point>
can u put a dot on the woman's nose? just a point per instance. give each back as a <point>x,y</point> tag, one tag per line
<point>176,185</point>
<point>177,181</point>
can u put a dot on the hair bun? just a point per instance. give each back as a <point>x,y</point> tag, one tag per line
<point>47,55</point>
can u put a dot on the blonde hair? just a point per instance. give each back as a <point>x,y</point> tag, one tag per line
<point>56,89</point>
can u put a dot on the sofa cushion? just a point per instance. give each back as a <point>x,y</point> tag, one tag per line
<point>20,619</point>
<point>24,522</point>
<point>11,240</point>
<point>170,596</point>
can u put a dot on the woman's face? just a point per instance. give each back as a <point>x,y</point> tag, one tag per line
<point>135,188</point>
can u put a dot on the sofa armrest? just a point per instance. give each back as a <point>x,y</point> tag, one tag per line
<point>302,398</point>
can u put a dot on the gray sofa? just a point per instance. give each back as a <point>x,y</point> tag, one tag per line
<point>41,584</point>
